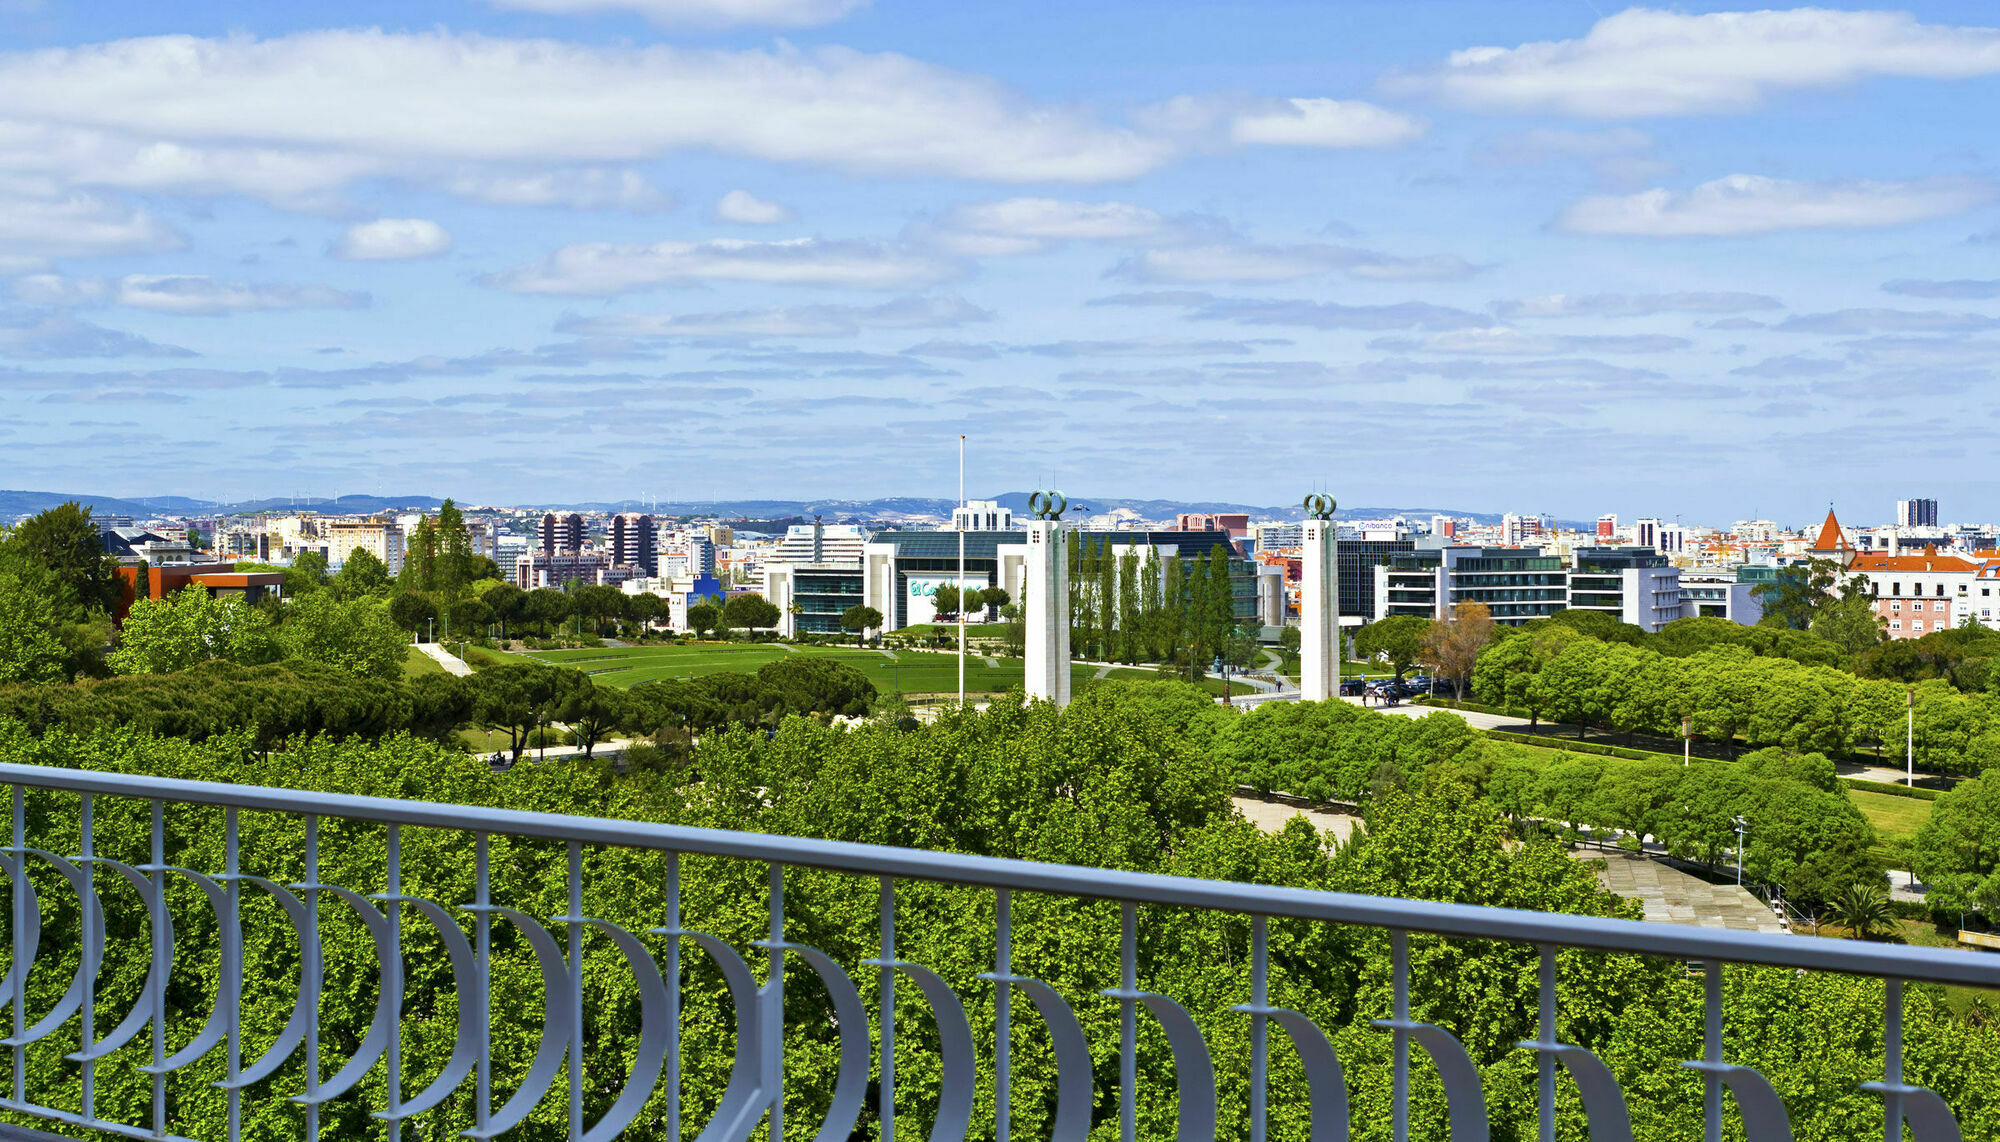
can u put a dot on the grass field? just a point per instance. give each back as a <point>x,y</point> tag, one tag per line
<point>908,672</point>
<point>416,662</point>
<point>1895,818</point>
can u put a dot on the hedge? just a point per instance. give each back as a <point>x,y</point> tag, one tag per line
<point>1889,788</point>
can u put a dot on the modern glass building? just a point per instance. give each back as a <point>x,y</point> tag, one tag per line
<point>1517,584</point>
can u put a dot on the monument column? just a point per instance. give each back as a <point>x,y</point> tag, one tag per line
<point>1319,603</point>
<point>1045,587</point>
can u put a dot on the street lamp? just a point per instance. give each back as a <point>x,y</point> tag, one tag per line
<point>1687,730</point>
<point>1741,827</point>
<point>431,624</point>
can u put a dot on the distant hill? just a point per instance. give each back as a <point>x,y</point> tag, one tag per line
<point>16,503</point>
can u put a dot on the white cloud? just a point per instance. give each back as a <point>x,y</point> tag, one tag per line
<point>181,294</point>
<point>207,297</point>
<point>704,13</point>
<point>1326,123</point>
<point>937,312</point>
<point>36,336</point>
<point>1634,305</point>
<point>1502,341</point>
<point>744,208</point>
<point>605,268</point>
<point>1752,204</point>
<point>1649,62</point>
<point>1249,262</point>
<point>79,225</point>
<point>392,238</point>
<point>582,188</point>
<point>1028,225</point>
<point>316,106</point>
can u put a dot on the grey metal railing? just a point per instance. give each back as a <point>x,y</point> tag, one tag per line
<point>755,1090</point>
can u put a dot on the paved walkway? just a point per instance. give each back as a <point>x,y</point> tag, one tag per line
<point>453,665</point>
<point>1671,896</point>
<point>1273,817</point>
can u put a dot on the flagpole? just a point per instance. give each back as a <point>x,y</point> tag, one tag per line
<point>960,520</point>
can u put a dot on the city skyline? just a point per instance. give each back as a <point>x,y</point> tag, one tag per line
<point>1713,262</point>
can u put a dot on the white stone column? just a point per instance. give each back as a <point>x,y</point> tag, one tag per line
<point>1045,590</point>
<point>1319,612</point>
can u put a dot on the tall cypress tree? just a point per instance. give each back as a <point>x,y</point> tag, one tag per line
<point>1149,605</point>
<point>1128,606</point>
<point>1107,602</point>
<point>1173,609</point>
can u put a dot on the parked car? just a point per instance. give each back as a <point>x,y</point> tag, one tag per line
<point>1353,687</point>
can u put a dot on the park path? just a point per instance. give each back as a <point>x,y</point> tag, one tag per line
<point>454,666</point>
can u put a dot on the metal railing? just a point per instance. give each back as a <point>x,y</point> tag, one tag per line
<point>755,1087</point>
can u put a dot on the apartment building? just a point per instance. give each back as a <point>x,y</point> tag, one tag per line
<point>381,538</point>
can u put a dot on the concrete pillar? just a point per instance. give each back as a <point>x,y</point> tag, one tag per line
<point>1045,595</point>
<point>1319,612</point>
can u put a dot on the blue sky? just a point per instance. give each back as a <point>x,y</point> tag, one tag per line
<point>1557,257</point>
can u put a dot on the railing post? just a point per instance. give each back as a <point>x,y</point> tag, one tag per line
<point>230,990</point>
<point>774,1007</point>
<point>673,1130</point>
<point>1399,953</point>
<point>1128,1026</point>
<point>160,938</point>
<point>1545,1077</point>
<point>482,953</point>
<point>1259,1046</point>
<point>887,906</point>
<point>392,978</point>
<point>1892,1060</point>
<point>311,969</point>
<point>575,990</point>
<point>1003,1033</point>
<point>1711,1039</point>
<point>93,941</point>
<point>20,850</point>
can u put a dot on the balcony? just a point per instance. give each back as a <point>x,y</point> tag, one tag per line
<point>438,1056</point>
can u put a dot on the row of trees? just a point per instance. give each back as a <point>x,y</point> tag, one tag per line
<point>1125,607</point>
<point>1803,834</point>
<point>1555,673</point>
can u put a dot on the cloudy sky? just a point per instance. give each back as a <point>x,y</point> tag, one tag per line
<point>1525,256</point>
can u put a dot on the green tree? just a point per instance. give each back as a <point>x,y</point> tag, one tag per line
<point>704,616</point>
<point>161,636</point>
<point>1794,597</point>
<point>1848,620</point>
<point>548,607</point>
<point>469,617</point>
<point>859,619</point>
<point>455,567</point>
<point>1862,909</point>
<point>1397,640</point>
<point>945,601</point>
<point>422,558</point>
<point>306,574</point>
<point>356,637</point>
<point>508,603</point>
<point>751,612</point>
<point>593,713</point>
<point>31,647</point>
<point>362,575</point>
<point>412,611</point>
<point>66,542</point>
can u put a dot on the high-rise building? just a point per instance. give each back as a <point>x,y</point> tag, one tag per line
<point>379,537</point>
<point>561,533</point>
<point>982,515</point>
<point>634,542</point>
<point>1646,533</point>
<point>1916,513</point>
<point>1607,526</point>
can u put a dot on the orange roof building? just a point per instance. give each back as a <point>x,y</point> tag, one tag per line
<point>1832,542</point>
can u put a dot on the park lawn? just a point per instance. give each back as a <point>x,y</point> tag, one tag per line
<point>908,672</point>
<point>416,664</point>
<point>1895,818</point>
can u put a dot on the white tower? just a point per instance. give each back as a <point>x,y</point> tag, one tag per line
<point>1046,587</point>
<point>1319,603</point>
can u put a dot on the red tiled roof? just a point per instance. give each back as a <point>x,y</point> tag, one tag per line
<point>1943,564</point>
<point>1831,538</point>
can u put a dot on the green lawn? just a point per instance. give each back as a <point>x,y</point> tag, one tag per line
<point>416,663</point>
<point>1895,818</point>
<point>910,672</point>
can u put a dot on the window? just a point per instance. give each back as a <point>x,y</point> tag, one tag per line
<point>1940,606</point>
<point>1940,590</point>
<point>1894,605</point>
<point>1895,624</point>
<point>1895,588</point>
<point>1917,625</point>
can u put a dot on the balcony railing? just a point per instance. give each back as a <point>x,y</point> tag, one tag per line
<point>648,1075</point>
